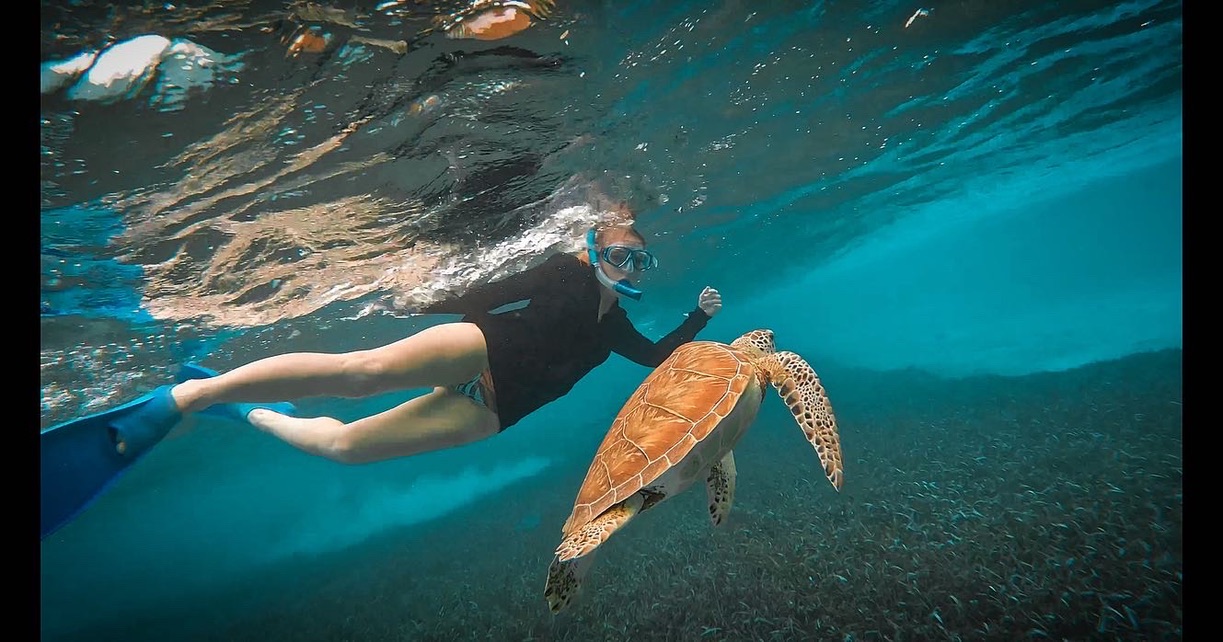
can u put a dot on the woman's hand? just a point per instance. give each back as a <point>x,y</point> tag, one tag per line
<point>710,301</point>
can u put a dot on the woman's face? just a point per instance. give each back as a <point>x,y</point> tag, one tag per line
<point>622,239</point>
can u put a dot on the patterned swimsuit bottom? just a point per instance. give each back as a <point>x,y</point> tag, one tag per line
<point>480,390</point>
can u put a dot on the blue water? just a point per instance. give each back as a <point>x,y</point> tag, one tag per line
<point>983,205</point>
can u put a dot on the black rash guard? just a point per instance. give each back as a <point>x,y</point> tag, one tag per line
<point>537,352</point>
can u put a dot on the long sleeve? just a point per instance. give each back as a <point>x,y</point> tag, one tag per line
<point>630,343</point>
<point>489,296</point>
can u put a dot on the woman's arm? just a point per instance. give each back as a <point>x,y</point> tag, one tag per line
<point>627,341</point>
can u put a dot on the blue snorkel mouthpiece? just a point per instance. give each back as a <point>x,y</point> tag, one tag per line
<point>623,286</point>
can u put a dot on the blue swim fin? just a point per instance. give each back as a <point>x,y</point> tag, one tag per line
<point>233,411</point>
<point>79,460</point>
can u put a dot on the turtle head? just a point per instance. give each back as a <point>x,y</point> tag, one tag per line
<point>756,342</point>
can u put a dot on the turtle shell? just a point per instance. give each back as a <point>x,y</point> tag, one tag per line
<point>678,405</point>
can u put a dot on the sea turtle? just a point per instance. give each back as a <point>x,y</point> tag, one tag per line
<point>680,426</point>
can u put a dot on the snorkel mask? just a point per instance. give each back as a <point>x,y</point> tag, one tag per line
<point>633,260</point>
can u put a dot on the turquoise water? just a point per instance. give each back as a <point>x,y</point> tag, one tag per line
<point>969,225</point>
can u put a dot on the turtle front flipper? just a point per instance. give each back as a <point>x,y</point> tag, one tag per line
<point>720,488</point>
<point>564,581</point>
<point>807,400</point>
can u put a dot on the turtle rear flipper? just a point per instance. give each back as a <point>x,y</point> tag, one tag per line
<point>584,540</point>
<point>576,552</point>
<point>565,580</point>
<point>720,488</point>
<point>804,395</point>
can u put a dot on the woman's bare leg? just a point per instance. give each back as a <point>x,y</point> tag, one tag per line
<point>440,419</point>
<point>441,355</point>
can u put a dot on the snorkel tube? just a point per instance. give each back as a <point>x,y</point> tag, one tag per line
<point>623,286</point>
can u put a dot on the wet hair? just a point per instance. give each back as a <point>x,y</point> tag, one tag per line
<point>616,203</point>
<point>617,230</point>
<point>626,189</point>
